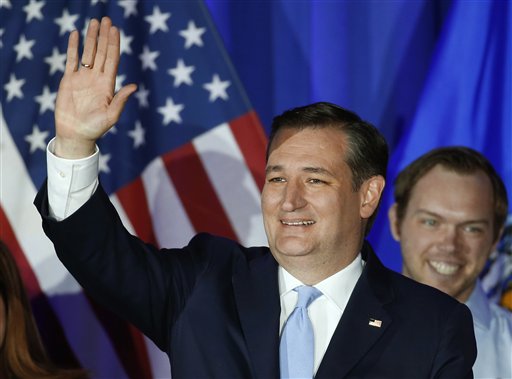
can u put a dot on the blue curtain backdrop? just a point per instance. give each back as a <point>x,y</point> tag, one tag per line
<point>426,73</point>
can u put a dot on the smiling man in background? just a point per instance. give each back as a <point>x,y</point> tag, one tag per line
<point>449,212</point>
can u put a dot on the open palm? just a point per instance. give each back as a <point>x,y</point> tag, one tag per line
<point>86,105</point>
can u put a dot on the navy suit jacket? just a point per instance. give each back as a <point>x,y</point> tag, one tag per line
<point>214,306</point>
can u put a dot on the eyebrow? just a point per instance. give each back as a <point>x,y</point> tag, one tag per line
<point>312,170</point>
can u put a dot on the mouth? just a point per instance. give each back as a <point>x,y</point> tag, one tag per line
<point>298,222</point>
<point>444,268</point>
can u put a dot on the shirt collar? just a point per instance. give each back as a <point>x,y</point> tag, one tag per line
<point>479,306</point>
<point>337,287</point>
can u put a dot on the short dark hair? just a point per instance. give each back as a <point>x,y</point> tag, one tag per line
<point>461,160</point>
<point>367,150</point>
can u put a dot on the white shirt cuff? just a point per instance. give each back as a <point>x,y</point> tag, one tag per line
<point>71,182</point>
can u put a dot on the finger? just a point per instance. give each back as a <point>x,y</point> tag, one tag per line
<point>101,53</point>
<point>72,52</point>
<point>90,43</point>
<point>118,102</point>
<point>112,59</point>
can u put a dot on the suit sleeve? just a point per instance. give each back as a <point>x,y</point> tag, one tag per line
<point>137,281</point>
<point>457,348</point>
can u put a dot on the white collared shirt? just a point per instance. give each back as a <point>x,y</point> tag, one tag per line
<point>326,311</point>
<point>493,333</point>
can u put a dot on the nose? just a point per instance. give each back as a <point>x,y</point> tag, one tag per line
<point>293,197</point>
<point>448,239</point>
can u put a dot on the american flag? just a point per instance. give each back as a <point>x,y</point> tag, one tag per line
<point>186,156</point>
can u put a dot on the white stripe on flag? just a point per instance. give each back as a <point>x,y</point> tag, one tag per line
<point>122,214</point>
<point>171,223</point>
<point>17,194</point>
<point>233,183</point>
<point>158,360</point>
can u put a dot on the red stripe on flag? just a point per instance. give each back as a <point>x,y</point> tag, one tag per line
<point>196,192</point>
<point>252,141</point>
<point>50,329</point>
<point>133,200</point>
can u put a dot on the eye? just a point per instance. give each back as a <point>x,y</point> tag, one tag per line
<point>276,179</point>
<point>429,222</point>
<point>473,229</point>
<point>316,181</point>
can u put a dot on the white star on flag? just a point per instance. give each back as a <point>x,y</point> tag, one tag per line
<point>103,164</point>
<point>56,61</point>
<point>66,22</point>
<point>13,88</point>
<point>171,112</point>
<point>33,10</point>
<point>148,57</point>
<point>129,6</point>
<point>125,43</point>
<point>217,88</point>
<point>37,139</point>
<point>138,135</point>
<point>142,95</point>
<point>46,100</point>
<point>119,82</point>
<point>157,20</point>
<point>24,48</point>
<point>181,73</point>
<point>192,35</point>
<point>5,4</point>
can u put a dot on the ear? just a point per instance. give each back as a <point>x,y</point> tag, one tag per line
<point>371,191</point>
<point>498,239</point>
<point>393,222</point>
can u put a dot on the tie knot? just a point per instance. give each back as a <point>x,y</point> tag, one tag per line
<point>307,295</point>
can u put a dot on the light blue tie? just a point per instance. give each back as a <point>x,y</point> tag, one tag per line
<point>296,350</point>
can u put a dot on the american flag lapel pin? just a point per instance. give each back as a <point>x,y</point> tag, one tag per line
<point>374,322</point>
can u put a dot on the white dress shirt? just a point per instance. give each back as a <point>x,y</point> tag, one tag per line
<point>326,311</point>
<point>493,333</point>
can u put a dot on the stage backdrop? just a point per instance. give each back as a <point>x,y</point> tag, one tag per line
<point>187,154</point>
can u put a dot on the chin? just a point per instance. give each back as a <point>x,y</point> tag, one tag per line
<point>293,245</point>
<point>292,249</point>
<point>441,287</point>
<point>293,253</point>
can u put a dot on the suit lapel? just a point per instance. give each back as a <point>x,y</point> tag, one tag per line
<point>257,298</point>
<point>363,322</point>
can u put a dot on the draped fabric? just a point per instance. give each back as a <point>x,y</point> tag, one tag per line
<point>186,156</point>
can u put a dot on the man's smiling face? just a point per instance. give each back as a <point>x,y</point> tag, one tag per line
<point>446,234</point>
<point>310,210</point>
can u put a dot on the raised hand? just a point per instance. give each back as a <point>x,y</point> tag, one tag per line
<point>86,105</point>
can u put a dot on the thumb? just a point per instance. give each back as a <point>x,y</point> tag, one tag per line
<point>118,102</point>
